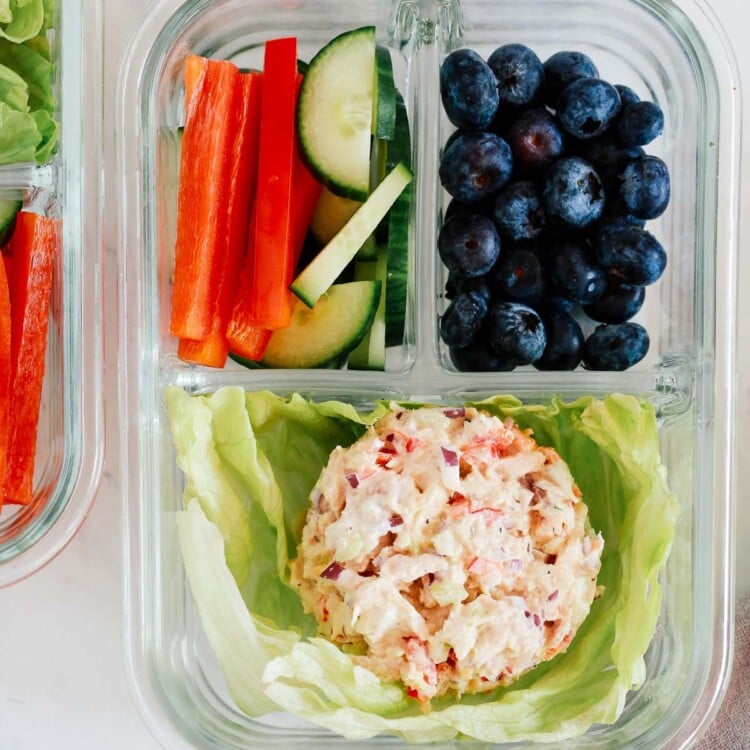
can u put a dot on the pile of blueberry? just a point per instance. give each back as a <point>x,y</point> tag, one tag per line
<point>551,190</point>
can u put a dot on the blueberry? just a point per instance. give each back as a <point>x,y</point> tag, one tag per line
<point>639,123</point>
<point>627,95</point>
<point>564,342</point>
<point>615,347</point>
<point>535,140</point>
<point>616,214</point>
<point>609,158</point>
<point>456,285</point>
<point>469,244</point>
<point>574,274</point>
<point>516,333</point>
<point>519,276</point>
<point>573,192</point>
<point>645,187</point>
<point>459,207</point>
<point>519,73</point>
<point>562,69</point>
<point>460,322</point>
<point>518,211</point>
<point>619,303</point>
<point>453,137</point>
<point>553,303</point>
<point>476,166</point>
<point>468,90</point>
<point>634,255</point>
<point>587,107</point>
<point>478,357</point>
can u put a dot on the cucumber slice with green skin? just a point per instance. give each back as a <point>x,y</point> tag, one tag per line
<point>369,249</point>
<point>398,236</point>
<point>397,269</point>
<point>399,148</point>
<point>334,113</point>
<point>329,263</point>
<point>370,354</point>
<point>319,336</point>
<point>384,113</point>
<point>8,211</point>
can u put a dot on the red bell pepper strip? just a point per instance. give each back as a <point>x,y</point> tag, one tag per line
<point>5,370</point>
<point>195,69</point>
<point>244,338</point>
<point>204,185</point>
<point>243,332</point>
<point>212,350</point>
<point>268,297</point>
<point>306,193</point>
<point>33,247</point>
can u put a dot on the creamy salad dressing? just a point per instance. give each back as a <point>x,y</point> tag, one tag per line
<point>449,549</point>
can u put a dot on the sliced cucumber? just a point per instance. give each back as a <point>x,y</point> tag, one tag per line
<point>398,235</point>
<point>378,170</point>
<point>334,113</point>
<point>333,327</point>
<point>331,213</point>
<point>399,148</point>
<point>397,269</point>
<point>384,112</point>
<point>8,211</point>
<point>370,354</point>
<point>334,257</point>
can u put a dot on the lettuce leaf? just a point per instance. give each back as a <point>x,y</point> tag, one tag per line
<point>19,136</point>
<point>30,61</point>
<point>27,20</point>
<point>263,453</point>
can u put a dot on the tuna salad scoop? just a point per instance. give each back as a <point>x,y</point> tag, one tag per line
<point>448,551</point>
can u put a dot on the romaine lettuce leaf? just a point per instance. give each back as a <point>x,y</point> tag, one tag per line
<point>274,449</point>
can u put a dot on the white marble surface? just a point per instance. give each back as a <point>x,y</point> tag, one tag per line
<point>63,681</point>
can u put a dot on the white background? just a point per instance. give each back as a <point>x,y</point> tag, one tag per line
<point>63,681</point>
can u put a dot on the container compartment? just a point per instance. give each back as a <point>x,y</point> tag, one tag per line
<point>69,447</point>
<point>673,54</point>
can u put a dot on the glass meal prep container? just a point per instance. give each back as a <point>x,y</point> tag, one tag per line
<point>672,52</point>
<point>69,450</point>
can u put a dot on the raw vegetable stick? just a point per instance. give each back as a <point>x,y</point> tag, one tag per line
<point>33,247</point>
<point>269,303</point>
<point>213,350</point>
<point>243,337</point>
<point>202,199</point>
<point>5,369</point>
<point>246,338</point>
<point>307,191</point>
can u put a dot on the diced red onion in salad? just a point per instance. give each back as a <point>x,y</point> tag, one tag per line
<point>450,457</point>
<point>333,571</point>
<point>455,413</point>
<point>553,596</point>
<point>515,564</point>
<point>353,480</point>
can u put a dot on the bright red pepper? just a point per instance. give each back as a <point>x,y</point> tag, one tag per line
<point>306,193</point>
<point>212,350</point>
<point>268,297</point>
<point>33,248</point>
<point>204,186</point>
<point>5,370</point>
<point>243,331</point>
